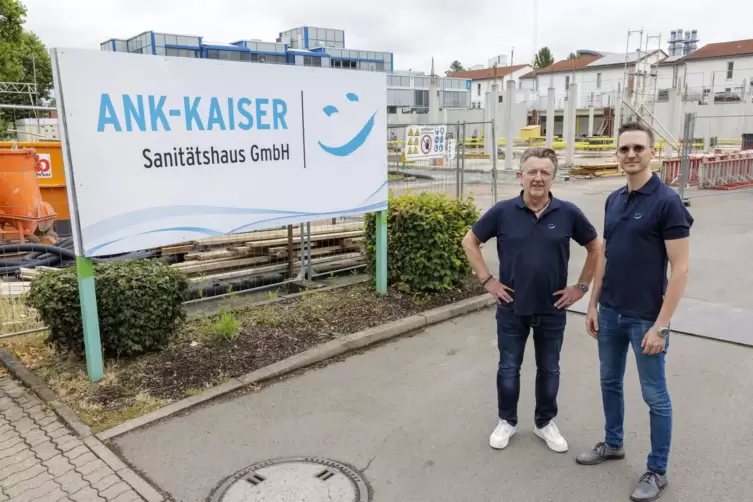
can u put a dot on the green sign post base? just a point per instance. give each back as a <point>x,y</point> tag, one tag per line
<point>90,318</point>
<point>381,252</point>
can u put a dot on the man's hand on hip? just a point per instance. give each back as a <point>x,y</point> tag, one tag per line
<point>570,295</point>
<point>499,290</point>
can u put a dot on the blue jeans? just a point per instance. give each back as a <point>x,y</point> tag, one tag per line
<point>616,332</point>
<point>512,334</point>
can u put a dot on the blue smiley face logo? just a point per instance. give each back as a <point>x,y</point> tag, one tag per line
<point>356,141</point>
<point>552,226</point>
<point>638,216</point>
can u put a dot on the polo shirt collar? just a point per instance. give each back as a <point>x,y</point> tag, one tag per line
<point>650,187</point>
<point>554,202</point>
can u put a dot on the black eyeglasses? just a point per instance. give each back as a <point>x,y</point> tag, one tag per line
<point>638,149</point>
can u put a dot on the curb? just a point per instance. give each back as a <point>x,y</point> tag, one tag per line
<point>83,431</point>
<point>312,356</point>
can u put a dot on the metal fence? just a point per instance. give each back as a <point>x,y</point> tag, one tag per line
<point>260,261</point>
<point>263,261</point>
<point>716,156</point>
<point>475,166</point>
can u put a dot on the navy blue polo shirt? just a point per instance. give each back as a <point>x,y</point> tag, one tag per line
<point>534,252</point>
<point>636,224</point>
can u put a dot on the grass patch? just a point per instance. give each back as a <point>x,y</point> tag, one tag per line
<point>15,316</point>
<point>211,351</point>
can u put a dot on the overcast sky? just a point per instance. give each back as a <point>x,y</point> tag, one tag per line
<point>414,30</point>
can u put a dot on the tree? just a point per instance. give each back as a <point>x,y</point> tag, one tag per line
<point>543,59</point>
<point>573,56</point>
<point>455,67</point>
<point>23,59</point>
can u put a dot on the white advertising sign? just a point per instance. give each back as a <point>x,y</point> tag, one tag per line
<point>44,165</point>
<point>168,149</point>
<point>424,142</point>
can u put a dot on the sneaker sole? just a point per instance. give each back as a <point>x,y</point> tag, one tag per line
<point>649,500</point>
<point>600,460</point>
<point>557,449</point>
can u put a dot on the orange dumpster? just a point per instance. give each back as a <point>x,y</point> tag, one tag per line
<point>22,210</point>
<point>51,178</point>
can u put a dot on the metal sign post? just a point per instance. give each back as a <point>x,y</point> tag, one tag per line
<point>687,147</point>
<point>381,252</point>
<point>84,265</point>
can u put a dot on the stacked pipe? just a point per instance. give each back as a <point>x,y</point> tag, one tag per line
<point>59,255</point>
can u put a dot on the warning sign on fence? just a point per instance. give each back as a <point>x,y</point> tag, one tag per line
<point>424,142</point>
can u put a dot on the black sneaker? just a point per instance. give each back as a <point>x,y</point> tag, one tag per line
<point>649,487</point>
<point>600,453</point>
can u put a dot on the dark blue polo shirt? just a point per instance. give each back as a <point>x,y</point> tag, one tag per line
<point>534,252</point>
<point>636,224</point>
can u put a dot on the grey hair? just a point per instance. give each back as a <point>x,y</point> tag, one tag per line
<point>540,152</point>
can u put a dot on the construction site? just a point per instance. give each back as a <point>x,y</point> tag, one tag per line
<point>701,145</point>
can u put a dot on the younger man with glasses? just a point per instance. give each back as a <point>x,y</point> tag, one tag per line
<point>646,225</point>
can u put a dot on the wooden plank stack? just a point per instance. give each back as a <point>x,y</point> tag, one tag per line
<point>253,254</point>
<point>596,170</point>
<point>248,255</point>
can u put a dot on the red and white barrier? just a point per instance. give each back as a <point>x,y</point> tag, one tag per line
<point>670,170</point>
<point>727,172</point>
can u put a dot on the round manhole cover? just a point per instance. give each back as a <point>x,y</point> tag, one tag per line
<point>296,479</point>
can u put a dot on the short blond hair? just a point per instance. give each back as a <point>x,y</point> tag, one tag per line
<point>540,152</point>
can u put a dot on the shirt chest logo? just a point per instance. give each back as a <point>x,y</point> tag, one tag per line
<point>637,216</point>
<point>551,226</point>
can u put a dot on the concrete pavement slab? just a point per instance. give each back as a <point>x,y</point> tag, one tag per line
<point>415,415</point>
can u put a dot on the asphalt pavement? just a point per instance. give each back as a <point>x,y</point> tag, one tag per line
<point>415,415</point>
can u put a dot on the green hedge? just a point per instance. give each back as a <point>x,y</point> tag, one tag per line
<point>424,234</point>
<point>139,304</point>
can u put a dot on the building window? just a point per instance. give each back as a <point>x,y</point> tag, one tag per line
<point>598,80</point>
<point>499,98</point>
<point>478,89</point>
<point>267,58</point>
<point>344,63</point>
<point>228,55</point>
<point>181,53</point>
<point>400,97</point>
<point>730,69</point>
<point>421,99</point>
<point>452,99</point>
<point>567,82</point>
<point>312,61</point>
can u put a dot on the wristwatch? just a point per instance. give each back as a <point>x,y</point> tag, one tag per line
<point>582,286</point>
<point>662,331</point>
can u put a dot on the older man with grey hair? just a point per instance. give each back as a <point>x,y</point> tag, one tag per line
<point>533,232</point>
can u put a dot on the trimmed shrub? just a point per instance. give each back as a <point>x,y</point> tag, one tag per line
<point>138,302</point>
<point>424,234</point>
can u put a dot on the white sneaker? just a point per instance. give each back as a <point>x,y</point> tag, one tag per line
<point>551,434</point>
<point>501,435</point>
